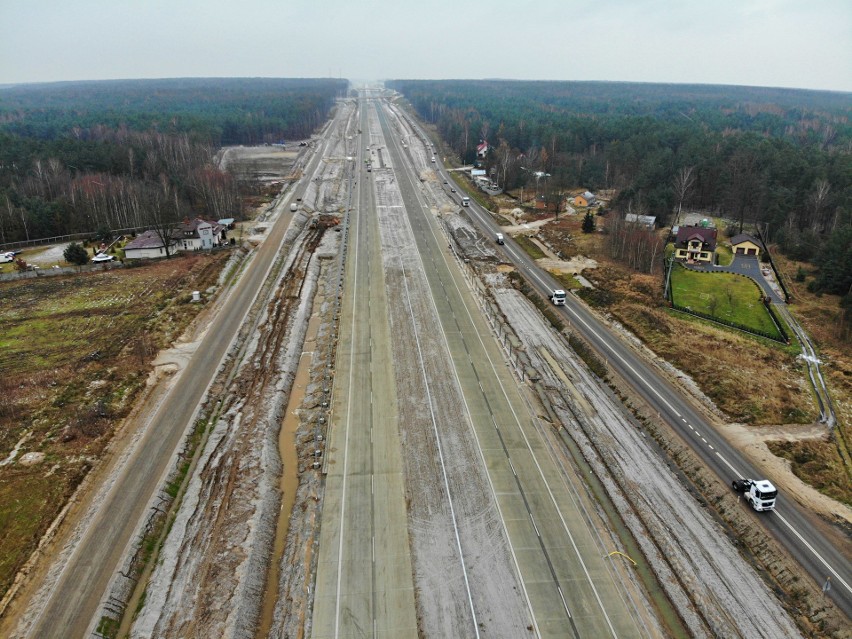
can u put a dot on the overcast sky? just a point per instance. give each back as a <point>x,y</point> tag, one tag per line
<point>783,43</point>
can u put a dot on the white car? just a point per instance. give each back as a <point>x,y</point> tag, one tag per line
<point>5,258</point>
<point>102,257</point>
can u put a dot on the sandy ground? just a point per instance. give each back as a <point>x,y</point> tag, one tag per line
<point>211,573</point>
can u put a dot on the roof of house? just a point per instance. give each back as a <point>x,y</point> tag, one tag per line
<point>226,221</point>
<point>687,233</point>
<point>649,220</point>
<point>589,195</point>
<point>483,146</point>
<point>745,237</point>
<point>146,240</point>
<point>189,228</point>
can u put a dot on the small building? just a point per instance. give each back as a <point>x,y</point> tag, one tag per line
<point>148,245</point>
<point>226,223</point>
<point>586,199</point>
<point>482,149</point>
<point>552,204</point>
<point>649,221</point>
<point>744,244</point>
<point>695,244</point>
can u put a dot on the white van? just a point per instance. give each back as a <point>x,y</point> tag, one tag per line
<point>499,238</point>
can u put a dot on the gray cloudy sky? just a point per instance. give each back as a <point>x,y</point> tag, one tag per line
<point>784,43</point>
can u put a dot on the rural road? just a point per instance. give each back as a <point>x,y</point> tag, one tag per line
<point>795,527</point>
<point>74,601</point>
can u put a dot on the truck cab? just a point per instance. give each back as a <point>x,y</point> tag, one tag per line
<point>760,493</point>
<point>558,297</point>
<point>499,238</point>
<point>465,201</point>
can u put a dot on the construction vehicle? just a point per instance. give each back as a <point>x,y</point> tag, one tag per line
<point>558,297</point>
<point>760,493</point>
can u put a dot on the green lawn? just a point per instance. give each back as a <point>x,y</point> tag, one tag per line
<point>724,255</point>
<point>726,296</point>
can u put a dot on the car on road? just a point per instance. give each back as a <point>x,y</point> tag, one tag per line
<point>453,190</point>
<point>445,182</point>
<point>102,257</point>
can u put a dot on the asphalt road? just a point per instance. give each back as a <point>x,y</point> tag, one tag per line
<point>74,602</point>
<point>789,523</point>
<point>570,587</point>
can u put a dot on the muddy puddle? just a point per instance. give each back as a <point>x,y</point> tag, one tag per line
<point>289,481</point>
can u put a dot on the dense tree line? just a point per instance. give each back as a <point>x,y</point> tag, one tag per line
<point>776,159</point>
<point>83,156</point>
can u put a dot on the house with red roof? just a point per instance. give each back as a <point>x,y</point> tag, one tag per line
<point>695,244</point>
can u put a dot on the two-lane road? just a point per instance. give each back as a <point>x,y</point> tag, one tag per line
<point>74,600</point>
<point>792,525</point>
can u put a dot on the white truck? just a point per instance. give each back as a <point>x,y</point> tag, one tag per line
<point>465,201</point>
<point>558,297</point>
<point>499,238</point>
<point>294,207</point>
<point>760,493</point>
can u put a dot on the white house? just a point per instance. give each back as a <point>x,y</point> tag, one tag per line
<point>148,245</point>
<point>199,234</point>
<point>482,149</point>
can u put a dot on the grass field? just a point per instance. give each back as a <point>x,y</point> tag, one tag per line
<point>726,296</point>
<point>529,247</point>
<point>74,353</point>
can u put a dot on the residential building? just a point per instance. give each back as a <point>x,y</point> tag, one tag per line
<point>148,245</point>
<point>198,234</point>
<point>695,244</point>
<point>586,199</point>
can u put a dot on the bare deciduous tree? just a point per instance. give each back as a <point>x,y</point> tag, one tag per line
<point>684,180</point>
<point>817,201</point>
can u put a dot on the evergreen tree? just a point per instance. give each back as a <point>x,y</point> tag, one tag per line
<point>589,223</point>
<point>76,254</point>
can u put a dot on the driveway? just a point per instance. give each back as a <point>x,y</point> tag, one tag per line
<point>747,265</point>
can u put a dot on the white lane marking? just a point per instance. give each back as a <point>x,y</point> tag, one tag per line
<point>348,423</point>
<point>812,549</point>
<point>671,408</point>
<point>529,446</point>
<point>473,430</point>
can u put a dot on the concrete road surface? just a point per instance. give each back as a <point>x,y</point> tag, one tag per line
<point>566,586</point>
<point>364,581</point>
